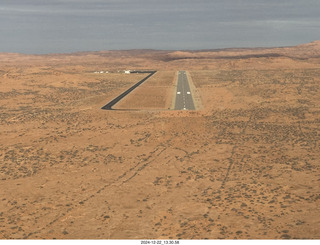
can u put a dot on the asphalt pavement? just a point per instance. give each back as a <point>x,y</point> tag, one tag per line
<point>184,100</point>
<point>125,93</point>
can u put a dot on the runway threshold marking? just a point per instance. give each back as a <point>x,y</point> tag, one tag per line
<point>184,102</point>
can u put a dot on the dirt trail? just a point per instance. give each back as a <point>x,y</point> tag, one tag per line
<point>244,166</point>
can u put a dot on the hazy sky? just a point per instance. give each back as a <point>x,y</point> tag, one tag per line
<point>59,26</point>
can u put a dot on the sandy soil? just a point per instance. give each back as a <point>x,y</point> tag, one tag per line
<point>156,93</point>
<point>244,166</point>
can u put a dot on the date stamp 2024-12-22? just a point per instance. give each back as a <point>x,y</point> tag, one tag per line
<point>160,242</point>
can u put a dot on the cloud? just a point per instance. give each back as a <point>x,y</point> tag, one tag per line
<point>157,24</point>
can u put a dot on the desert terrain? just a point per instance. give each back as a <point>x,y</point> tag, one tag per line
<point>244,165</point>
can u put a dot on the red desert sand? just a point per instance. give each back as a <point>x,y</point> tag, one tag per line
<point>244,165</point>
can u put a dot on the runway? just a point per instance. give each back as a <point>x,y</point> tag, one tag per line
<point>125,93</point>
<point>184,100</point>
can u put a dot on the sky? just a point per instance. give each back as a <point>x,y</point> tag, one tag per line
<point>65,26</point>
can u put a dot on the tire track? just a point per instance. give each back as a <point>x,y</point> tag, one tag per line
<point>120,180</point>
<point>231,158</point>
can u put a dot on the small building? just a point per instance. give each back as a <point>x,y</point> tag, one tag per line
<point>127,72</point>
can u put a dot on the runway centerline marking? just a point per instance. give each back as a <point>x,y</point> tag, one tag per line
<point>184,102</point>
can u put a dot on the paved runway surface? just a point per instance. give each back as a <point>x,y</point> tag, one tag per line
<point>184,100</point>
<point>125,93</point>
